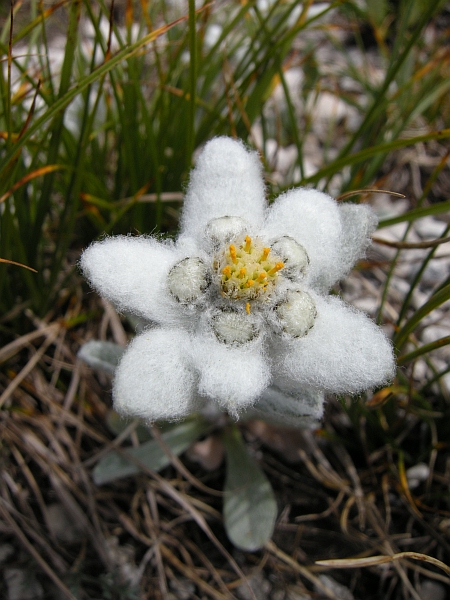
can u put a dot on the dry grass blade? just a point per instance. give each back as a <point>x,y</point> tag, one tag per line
<point>163,197</point>
<point>192,575</point>
<point>354,563</point>
<point>367,192</point>
<point>411,245</point>
<point>201,522</point>
<point>13,262</point>
<point>38,173</point>
<point>28,367</point>
<point>35,554</point>
<point>176,462</point>
<point>271,547</point>
<point>15,346</point>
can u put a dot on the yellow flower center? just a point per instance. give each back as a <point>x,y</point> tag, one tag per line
<point>247,270</point>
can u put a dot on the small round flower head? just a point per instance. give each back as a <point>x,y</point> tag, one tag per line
<point>187,280</point>
<point>293,256</point>
<point>247,269</point>
<point>239,302</point>
<point>234,328</point>
<point>297,313</point>
<point>222,230</point>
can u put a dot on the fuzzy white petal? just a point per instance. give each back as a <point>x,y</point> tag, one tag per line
<point>344,352</point>
<point>358,223</point>
<point>313,220</point>
<point>227,181</point>
<point>132,273</point>
<point>154,379</point>
<point>233,376</point>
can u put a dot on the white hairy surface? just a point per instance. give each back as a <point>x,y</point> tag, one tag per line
<point>311,218</point>
<point>154,379</point>
<point>234,376</point>
<point>227,181</point>
<point>344,352</point>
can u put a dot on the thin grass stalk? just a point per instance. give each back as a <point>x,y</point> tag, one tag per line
<point>193,68</point>
<point>56,131</point>
<point>407,116</point>
<point>436,300</point>
<point>61,103</point>
<point>8,85</point>
<point>71,206</point>
<point>380,99</point>
<point>153,149</point>
<point>290,107</point>
<point>45,59</point>
<point>425,349</point>
<point>416,280</point>
<point>384,148</point>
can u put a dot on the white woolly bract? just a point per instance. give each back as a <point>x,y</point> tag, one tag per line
<point>132,272</point>
<point>154,379</point>
<point>311,218</point>
<point>234,376</point>
<point>344,352</point>
<point>358,223</point>
<point>227,181</point>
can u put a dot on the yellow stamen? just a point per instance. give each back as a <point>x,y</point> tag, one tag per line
<point>265,254</point>
<point>247,270</point>
<point>247,308</point>
<point>276,268</point>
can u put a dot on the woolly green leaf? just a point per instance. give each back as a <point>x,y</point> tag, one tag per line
<point>104,356</point>
<point>150,455</point>
<point>116,424</point>
<point>249,509</point>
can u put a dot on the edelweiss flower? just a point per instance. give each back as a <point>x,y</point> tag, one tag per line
<point>238,304</point>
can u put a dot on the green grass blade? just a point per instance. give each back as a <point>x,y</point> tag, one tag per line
<point>190,144</point>
<point>81,85</point>
<point>425,349</point>
<point>362,155</point>
<point>417,213</point>
<point>434,302</point>
<point>56,129</point>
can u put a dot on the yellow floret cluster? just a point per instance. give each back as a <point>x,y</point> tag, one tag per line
<point>247,270</point>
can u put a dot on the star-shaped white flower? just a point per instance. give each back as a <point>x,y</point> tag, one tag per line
<point>238,304</point>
